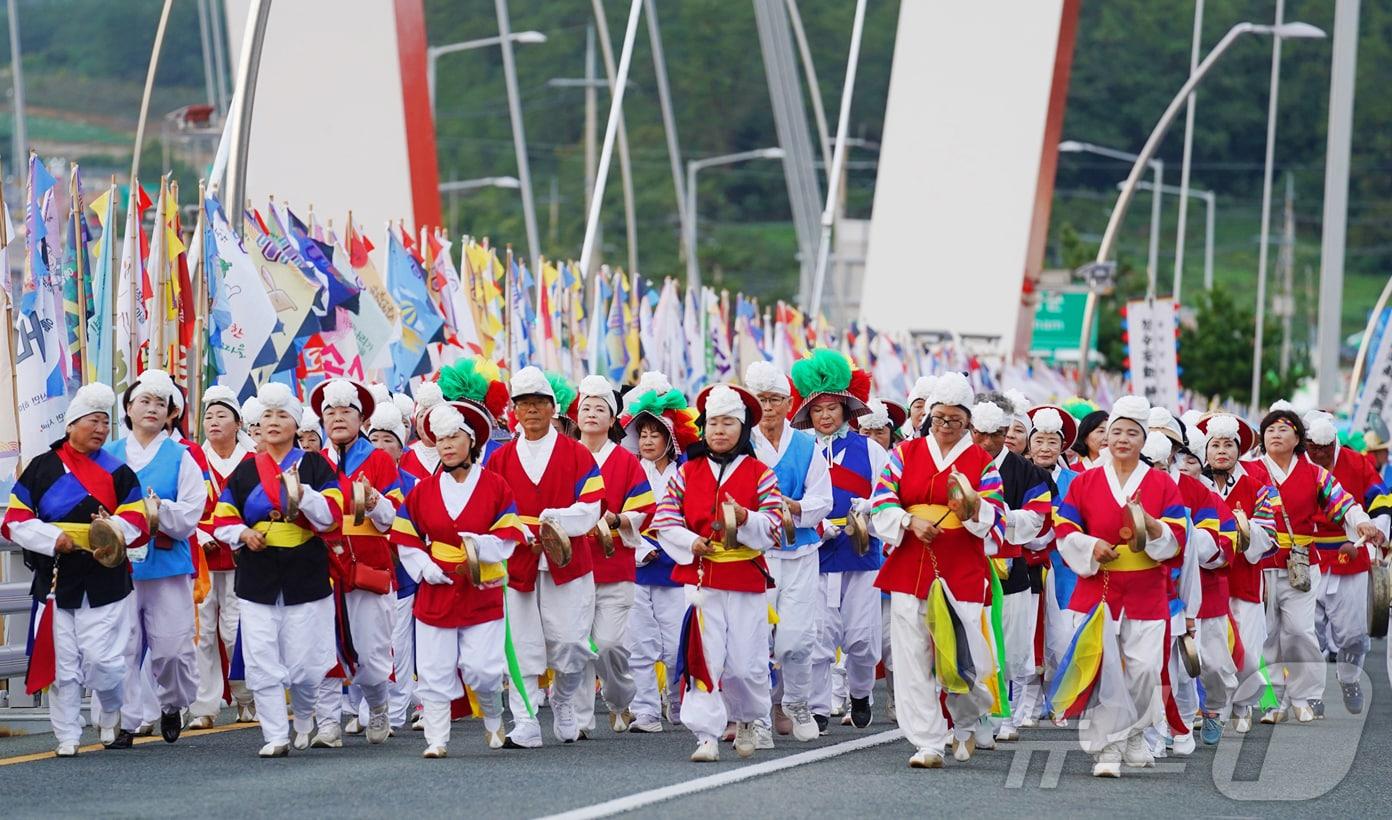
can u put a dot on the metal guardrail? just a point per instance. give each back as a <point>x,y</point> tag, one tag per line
<point>14,600</point>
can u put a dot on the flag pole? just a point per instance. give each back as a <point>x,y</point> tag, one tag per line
<point>79,251</point>
<point>199,275</point>
<point>149,86</point>
<point>507,302</point>
<point>10,321</point>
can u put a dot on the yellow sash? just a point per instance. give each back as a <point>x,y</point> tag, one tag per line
<point>727,556</point>
<point>933,512</point>
<point>283,534</point>
<point>79,533</point>
<point>1283,540</point>
<point>1129,561</point>
<point>365,528</point>
<point>450,554</point>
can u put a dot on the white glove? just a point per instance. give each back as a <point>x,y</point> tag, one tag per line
<point>137,554</point>
<point>860,505</point>
<point>432,574</point>
<point>829,530</point>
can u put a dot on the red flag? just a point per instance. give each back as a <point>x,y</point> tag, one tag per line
<point>43,663</point>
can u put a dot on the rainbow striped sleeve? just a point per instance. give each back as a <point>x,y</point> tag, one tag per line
<point>886,493</point>
<point>225,512</point>
<point>1068,516</point>
<point>990,489</point>
<point>591,487</point>
<point>669,509</point>
<point>1378,500</point>
<point>639,498</point>
<point>131,509</point>
<point>1333,498</point>
<point>403,531</point>
<point>20,508</point>
<point>508,526</point>
<point>1174,515</point>
<point>1040,501</point>
<point>770,499</point>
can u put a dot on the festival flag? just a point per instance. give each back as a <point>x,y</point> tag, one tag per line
<point>132,329</point>
<point>99,327</point>
<point>244,314</point>
<point>421,323</point>
<point>41,381</point>
<point>76,279</point>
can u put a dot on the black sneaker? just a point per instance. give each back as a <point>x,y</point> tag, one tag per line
<point>1317,706</point>
<point>171,724</point>
<point>1353,697</point>
<point>822,722</point>
<point>860,712</point>
<point>123,740</point>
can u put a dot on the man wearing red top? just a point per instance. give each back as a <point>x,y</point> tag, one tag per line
<point>726,631</point>
<point>363,572</point>
<point>459,624</point>
<point>219,613</point>
<point>554,479</point>
<point>1341,610</point>
<point>627,508</point>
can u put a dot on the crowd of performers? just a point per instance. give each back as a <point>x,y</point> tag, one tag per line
<point>743,565</point>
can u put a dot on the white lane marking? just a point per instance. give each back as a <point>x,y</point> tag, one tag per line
<point>726,778</point>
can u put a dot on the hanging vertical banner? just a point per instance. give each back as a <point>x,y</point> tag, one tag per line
<point>1374,407</point>
<point>1151,326</point>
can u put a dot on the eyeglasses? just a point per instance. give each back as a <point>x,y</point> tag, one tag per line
<point>950,424</point>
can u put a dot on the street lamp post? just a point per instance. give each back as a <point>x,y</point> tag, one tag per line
<point>433,53</point>
<point>1209,199</point>
<point>693,272</point>
<point>1104,250</point>
<point>1157,169</point>
<point>456,187</point>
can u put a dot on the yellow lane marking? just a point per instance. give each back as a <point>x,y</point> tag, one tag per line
<point>140,741</point>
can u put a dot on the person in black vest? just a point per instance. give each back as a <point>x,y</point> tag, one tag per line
<point>282,569</point>
<point>82,640</point>
<point>1028,496</point>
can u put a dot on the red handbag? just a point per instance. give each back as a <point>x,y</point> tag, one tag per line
<point>364,576</point>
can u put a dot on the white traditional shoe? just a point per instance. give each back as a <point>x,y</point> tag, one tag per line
<point>1137,753</point>
<point>246,713</point>
<point>144,730</point>
<point>1007,733</point>
<point>301,742</point>
<point>353,727</point>
<point>745,740</point>
<point>418,721</point>
<point>645,726</point>
<point>1243,724</point>
<point>281,749</point>
<point>378,724</point>
<point>494,737</point>
<point>1274,716</point>
<point>804,725</point>
<point>706,751</point>
<point>524,735</point>
<point>201,722</point>
<point>926,759</point>
<point>1028,723</point>
<point>1184,745</point>
<point>985,741</point>
<point>1108,764</point>
<point>434,752</point>
<point>563,723</point>
<point>1304,714</point>
<point>621,720</point>
<point>763,737</point>
<point>962,749</point>
<point>329,736</point>
<point>66,750</point>
<point>108,735</point>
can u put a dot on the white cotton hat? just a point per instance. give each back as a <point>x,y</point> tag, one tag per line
<point>1281,404</point>
<point>1198,445</point>
<point>1320,431</point>
<point>405,404</point>
<point>252,409</point>
<point>987,417</point>
<point>428,395</point>
<point>952,389</point>
<point>595,386</point>
<point>877,418</point>
<point>765,377</point>
<point>341,392</point>
<point>276,396</point>
<point>388,418</point>
<point>381,394</point>
<point>530,381</point>
<point>651,381</point>
<point>1158,446</point>
<point>309,423</point>
<point>1190,418</point>
<point>220,394</point>
<point>1164,421</point>
<point>1135,408</point>
<point>152,383</point>
<point>724,401</point>
<point>922,390</point>
<point>1018,409</point>
<point>1223,425</point>
<point>89,399</point>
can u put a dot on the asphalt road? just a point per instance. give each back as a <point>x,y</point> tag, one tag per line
<point>1335,767</point>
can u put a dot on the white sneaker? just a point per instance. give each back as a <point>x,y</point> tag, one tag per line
<point>621,720</point>
<point>418,721</point>
<point>1028,723</point>
<point>525,735</point>
<point>378,725</point>
<point>962,749</point>
<point>645,726</point>
<point>144,730</point>
<point>282,749</point>
<point>353,727</point>
<point>1007,733</point>
<point>108,735</point>
<point>706,751</point>
<point>66,750</point>
<point>1137,754</point>
<point>434,752</point>
<point>926,759</point>
<point>329,736</point>
<point>1184,745</point>
<point>745,741</point>
<point>1304,714</point>
<point>201,722</point>
<point>804,725</point>
<point>301,743</point>
<point>563,723</point>
<point>1108,763</point>
<point>763,737</point>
